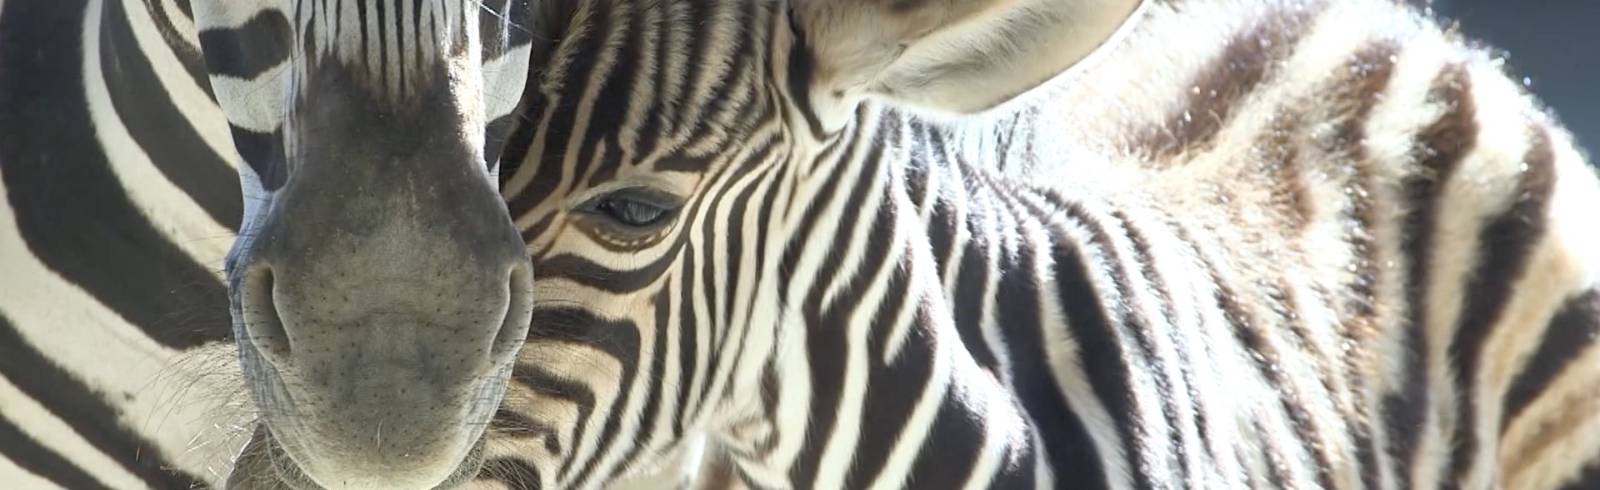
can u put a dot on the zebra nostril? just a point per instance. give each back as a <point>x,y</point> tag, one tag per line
<point>262,324</point>
<point>519,312</point>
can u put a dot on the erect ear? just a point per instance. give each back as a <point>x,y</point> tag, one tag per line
<point>953,56</point>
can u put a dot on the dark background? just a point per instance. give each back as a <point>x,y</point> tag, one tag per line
<point>1555,43</point>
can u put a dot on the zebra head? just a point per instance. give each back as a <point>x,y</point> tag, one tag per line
<point>701,178</point>
<point>379,289</point>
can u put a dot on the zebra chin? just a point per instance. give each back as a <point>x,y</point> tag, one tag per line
<point>311,437</point>
<point>272,467</point>
<point>336,445</point>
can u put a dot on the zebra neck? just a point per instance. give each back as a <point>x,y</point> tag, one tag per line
<point>874,377</point>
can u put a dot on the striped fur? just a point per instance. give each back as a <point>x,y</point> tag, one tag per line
<point>120,188</point>
<point>1305,245</point>
<point>1300,247</point>
<point>120,197</point>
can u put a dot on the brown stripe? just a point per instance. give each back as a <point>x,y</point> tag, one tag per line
<point>1180,377</point>
<point>1503,256</point>
<point>1254,339</point>
<point>1368,75</point>
<point>1440,148</point>
<point>1554,427</point>
<point>1221,86</point>
<point>1574,329</point>
<point>1364,78</point>
<point>1278,162</point>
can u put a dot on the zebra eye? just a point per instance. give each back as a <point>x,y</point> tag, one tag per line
<point>633,208</point>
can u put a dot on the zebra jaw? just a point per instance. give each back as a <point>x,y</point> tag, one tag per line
<point>263,465</point>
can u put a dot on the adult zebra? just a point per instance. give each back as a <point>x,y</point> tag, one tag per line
<point>119,198</point>
<point>1284,244</point>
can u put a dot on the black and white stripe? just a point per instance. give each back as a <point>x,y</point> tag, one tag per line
<point>1313,245</point>
<point>120,187</point>
<point>120,200</point>
<point>1299,248</point>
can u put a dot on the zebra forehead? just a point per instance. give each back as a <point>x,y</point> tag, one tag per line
<point>396,48</point>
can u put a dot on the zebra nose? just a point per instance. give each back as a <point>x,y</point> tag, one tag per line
<point>263,325</point>
<point>519,313</point>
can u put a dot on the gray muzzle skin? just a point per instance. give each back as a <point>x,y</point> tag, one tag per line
<point>381,299</point>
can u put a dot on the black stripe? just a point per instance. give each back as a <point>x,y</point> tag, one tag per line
<point>380,19</point>
<point>85,410</point>
<point>188,11</point>
<point>1503,255</point>
<point>828,325</point>
<point>656,380</point>
<point>706,290</point>
<point>894,388</point>
<point>1066,439</point>
<point>495,138</point>
<point>512,425</point>
<point>1588,479</point>
<point>926,173</point>
<point>573,75</point>
<point>171,141</point>
<point>22,450</point>
<point>55,174</point>
<point>413,37</point>
<point>653,125</point>
<point>734,91</point>
<point>972,275</point>
<point>611,100</point>
<point>361,27</point>
<point>948,456</point>
<point>515,473</point>
<point>418,15</point>
<point>249,50</point>
<point>688,343</point>
<point>620,340</point>
<point>1253,338</point>
<point>802,63</point>
<point>1102,320</point>
<point>192,62</point>
<point>735,252</point>
<point>699,285</point>
<point>1440,147</point>
<point>546,383</point>
<point>264,153</point>
<point>586,272</point>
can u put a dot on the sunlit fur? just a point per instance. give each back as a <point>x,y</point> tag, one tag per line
<point>1310,210</point>
<point>1245,244</point>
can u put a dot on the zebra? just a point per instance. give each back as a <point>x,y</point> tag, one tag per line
<point>1049,244</point>
<point>120,195</point>
<point>776,195</point>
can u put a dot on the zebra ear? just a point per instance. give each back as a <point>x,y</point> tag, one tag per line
<point>952,56</point>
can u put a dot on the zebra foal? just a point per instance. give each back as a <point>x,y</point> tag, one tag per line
<point>1049,244</point>
<point>842,244</point>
